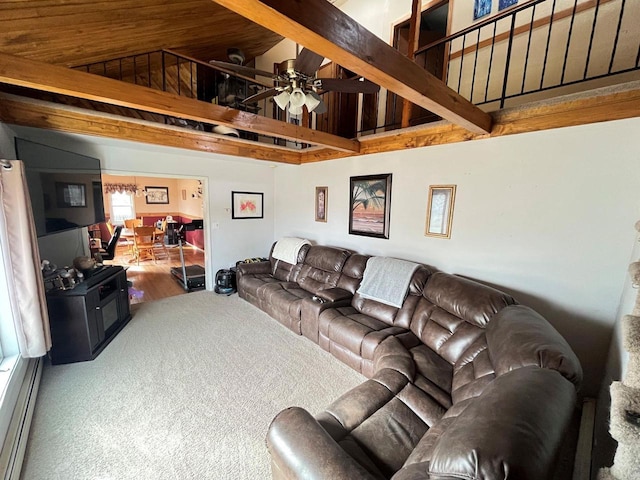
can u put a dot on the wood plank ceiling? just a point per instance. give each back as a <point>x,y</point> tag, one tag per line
<point>76,32</point>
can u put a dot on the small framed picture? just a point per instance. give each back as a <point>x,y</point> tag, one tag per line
<point>247,205</point>
<point>440,210</point>
<point>370,205</point>
<point>502,4</point>
<point>321,203</point>
<point>481,8</point>
<point>157,195</point>
<point>71,195</point>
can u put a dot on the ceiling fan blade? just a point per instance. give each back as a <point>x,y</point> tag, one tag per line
<point>308,62</point>
<point>346,86</point>
<point>240,69</point>
<point>261,95</point>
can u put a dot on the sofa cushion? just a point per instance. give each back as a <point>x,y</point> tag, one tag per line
<point>513,430</point>
<point>321,268</point>
<point>519,337</point>
<point>381,421</point>
<point>466,299</point>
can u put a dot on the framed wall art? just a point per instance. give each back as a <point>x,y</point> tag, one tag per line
<point>321,203</point>
<point>481,8</point>
<point>370,205</point>
<point>440,211</point>
<point>247,205</point>
<point>157,195</point>
<point>502,4</point>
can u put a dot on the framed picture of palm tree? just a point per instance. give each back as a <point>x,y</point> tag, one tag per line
<point>370,203</point>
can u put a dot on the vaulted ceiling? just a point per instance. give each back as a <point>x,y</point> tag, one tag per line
<point>40,37</point>
<point>76,32</point>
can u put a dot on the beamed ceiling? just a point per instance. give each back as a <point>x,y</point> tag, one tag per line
<point>76,32</point>
<point>39,39</point>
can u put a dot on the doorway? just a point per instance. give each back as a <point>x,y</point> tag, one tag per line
<point>434,24</point>
<point>166,204</point>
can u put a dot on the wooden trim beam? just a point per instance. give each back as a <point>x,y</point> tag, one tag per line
<point>51,78</point>
<point>51,116</point>
<point>326,30</point>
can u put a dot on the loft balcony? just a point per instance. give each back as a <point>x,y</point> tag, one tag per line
<point>537,51</point>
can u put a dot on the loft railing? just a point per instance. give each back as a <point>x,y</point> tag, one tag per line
<point>530,49</point>
<point>189,77</point>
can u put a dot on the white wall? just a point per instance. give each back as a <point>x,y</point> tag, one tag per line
<point>233,239</point>
<point>547,216</point>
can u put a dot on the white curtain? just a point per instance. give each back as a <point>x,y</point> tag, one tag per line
<point>22,262</point>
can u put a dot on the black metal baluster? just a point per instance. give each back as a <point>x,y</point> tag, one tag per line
<point>615,42</point>
<point>593,31</point>
<point>526,58</point>
<point>178,69</point>
<point>149,69</point>
<point>493,46</point>
<point>508,64</point>
<point>546,52</point>
<point>464,42</point>
<point>164,73</point>
<point>475,64</point>
<point>566,52</point>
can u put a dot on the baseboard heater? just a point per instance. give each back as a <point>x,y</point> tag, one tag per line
<point>15,443</point>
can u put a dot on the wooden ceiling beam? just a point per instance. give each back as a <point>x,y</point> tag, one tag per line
<point>40,114</point>
<point>323,28</point>
<point>27,73</point>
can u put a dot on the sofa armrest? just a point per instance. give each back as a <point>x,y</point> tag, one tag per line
<point>253,268</point>
<point>335,294</point>
<point>515,429</point>
<point>301,448</point>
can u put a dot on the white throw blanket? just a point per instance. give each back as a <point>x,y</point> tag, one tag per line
<point>287,249</point>
<point>386,280</point>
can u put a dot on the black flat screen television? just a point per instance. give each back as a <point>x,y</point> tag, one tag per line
<point>65,187</point>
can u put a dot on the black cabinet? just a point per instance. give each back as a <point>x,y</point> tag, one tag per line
<point>85,319</point>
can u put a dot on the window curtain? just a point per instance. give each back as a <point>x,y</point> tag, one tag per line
<point>120,188</point>
<point>19,245</point>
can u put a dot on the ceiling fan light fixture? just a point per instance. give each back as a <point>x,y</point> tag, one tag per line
<point>295,110</point>
<point>282,99</point>
<point>312,100</point>
<point>298,98</point>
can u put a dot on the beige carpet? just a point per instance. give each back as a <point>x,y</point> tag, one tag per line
<point>186,391</point>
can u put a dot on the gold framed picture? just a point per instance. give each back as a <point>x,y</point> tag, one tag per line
<point>440,211</point>
<point>322,197</point>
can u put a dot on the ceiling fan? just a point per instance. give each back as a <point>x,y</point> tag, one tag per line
<point>296,84</point>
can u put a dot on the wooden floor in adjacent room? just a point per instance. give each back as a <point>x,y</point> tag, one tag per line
<point>153,280</point>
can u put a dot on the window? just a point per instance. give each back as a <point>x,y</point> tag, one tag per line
<point>121,207</point>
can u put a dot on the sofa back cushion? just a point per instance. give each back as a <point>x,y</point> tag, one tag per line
<point>321,268</point>
<point>352,272</point>
<point>397,317</point>
<point>520,337</point>
<point>283,271</point>
<point>453,312</point>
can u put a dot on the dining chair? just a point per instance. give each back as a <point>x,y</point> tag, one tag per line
<point>158,241</point>
<point>143,242</point>
<point>131,223</point>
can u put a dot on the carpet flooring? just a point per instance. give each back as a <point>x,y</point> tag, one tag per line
<point>187,390</point>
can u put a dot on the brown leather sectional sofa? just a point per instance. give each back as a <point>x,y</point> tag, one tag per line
<point>463,383</point>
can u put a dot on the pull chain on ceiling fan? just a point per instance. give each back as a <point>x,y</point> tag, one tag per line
<point>296,84</point>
